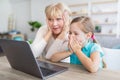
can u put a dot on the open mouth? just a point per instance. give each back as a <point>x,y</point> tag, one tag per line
<point>56,28</point>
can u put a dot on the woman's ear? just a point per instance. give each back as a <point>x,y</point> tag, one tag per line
<point>89,34</point>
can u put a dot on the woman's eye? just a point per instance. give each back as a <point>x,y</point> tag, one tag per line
<point>59,19</point>
<point>50,19</point>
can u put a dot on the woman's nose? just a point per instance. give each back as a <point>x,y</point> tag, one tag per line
<point>54,22</point>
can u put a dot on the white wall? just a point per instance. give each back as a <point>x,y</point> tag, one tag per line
<point>26,10</point>
<point>38,6</point>
<point>22,11</point>
<point>5,11</point>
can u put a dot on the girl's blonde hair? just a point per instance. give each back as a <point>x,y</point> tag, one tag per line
<point>88,25</point>
<point>54,10</point>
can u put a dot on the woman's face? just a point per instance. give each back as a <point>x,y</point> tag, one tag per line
<point>56,24</point>
<point>75,30</point>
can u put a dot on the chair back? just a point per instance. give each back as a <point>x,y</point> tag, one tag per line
<point>112,58</point>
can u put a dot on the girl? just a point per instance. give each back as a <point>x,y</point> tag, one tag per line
<point>82,44</point>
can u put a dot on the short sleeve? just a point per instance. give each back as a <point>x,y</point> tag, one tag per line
<point>97,47</point>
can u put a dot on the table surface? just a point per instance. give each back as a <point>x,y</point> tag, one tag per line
<point>75,72</point>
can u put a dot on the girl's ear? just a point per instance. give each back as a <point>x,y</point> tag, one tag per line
<point>89,34</point>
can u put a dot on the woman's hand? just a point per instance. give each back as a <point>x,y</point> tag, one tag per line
<point>74,44</point>
<point>49,29</point>
<point>66,20</point>
<point>49,32</point>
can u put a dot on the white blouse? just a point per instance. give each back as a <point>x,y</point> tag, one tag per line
<point>46,49</point>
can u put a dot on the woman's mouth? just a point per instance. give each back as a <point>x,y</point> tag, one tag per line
<point>55,28</point>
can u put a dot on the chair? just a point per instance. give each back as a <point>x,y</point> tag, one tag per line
<point>116,47</point>
<point>112,58</point>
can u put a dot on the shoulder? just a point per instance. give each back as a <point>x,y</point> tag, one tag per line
<point>42,29</point>
<point>90,45</point>
<point>96,47</point>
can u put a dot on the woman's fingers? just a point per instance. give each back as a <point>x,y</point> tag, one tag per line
<point>66,21</point>
<point>49,29</point>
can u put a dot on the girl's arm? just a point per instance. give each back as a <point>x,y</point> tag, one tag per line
<point>92,63</point>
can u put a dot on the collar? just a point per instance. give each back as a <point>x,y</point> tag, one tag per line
<point>87,46</point>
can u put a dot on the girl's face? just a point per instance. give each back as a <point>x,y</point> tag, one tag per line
<point>56,24</point>
<point>75,30</point>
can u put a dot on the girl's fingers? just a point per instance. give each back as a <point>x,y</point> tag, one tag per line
<point>77,42</point>
<point>74,43</point>
<point>70,49</point>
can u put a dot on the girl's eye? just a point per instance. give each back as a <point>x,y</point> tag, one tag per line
<point>76,34</point>
<point>70,33</point>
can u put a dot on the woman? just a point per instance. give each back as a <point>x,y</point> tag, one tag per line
<point>52,38</point>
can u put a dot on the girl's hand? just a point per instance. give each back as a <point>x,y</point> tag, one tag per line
<point>69,46</point>
<point>75,45</point>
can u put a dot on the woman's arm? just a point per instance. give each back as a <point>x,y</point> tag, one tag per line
<point>40,41</point>
<point>56,47</point>
<point>60,56</point>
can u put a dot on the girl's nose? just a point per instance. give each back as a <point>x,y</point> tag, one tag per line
<point>70,35</point>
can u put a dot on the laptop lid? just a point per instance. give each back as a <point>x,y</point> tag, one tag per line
<point>20,57</point>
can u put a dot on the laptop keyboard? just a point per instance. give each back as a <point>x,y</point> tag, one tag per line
<point>46,72</point>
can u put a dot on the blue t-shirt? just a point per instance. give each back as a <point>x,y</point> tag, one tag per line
<point>88,49</point>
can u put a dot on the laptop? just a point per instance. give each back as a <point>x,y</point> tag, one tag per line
<point>20,57</point>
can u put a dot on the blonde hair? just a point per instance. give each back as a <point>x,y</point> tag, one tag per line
<point>88,25</point>
<point>57,9</point>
